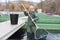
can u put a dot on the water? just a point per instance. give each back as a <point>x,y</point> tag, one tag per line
<point>25,37</point>
<point>53,36</point>
<point>21,34</point>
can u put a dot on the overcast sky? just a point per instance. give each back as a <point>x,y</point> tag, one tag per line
<point>24,0</point>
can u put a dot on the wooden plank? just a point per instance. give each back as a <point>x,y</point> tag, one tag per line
<point>6,29</point>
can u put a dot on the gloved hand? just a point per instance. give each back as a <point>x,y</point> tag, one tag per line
<point>32,19</point>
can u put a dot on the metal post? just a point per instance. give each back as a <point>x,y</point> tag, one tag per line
<point>41,4</point>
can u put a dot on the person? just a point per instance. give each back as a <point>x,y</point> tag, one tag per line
<point>31,26</point>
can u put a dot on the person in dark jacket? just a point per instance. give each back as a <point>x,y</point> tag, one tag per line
<point>31,27</point>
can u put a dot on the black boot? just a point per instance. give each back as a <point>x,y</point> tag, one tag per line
<point>30,36</point>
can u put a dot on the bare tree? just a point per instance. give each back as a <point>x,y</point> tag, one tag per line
<point>51,6</point>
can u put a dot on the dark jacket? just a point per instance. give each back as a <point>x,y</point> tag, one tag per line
<point>33,16</point>
<point>31,27</point>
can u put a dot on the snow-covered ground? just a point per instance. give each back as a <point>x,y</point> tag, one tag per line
<point>5,12</point>
<point>51,15</point>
